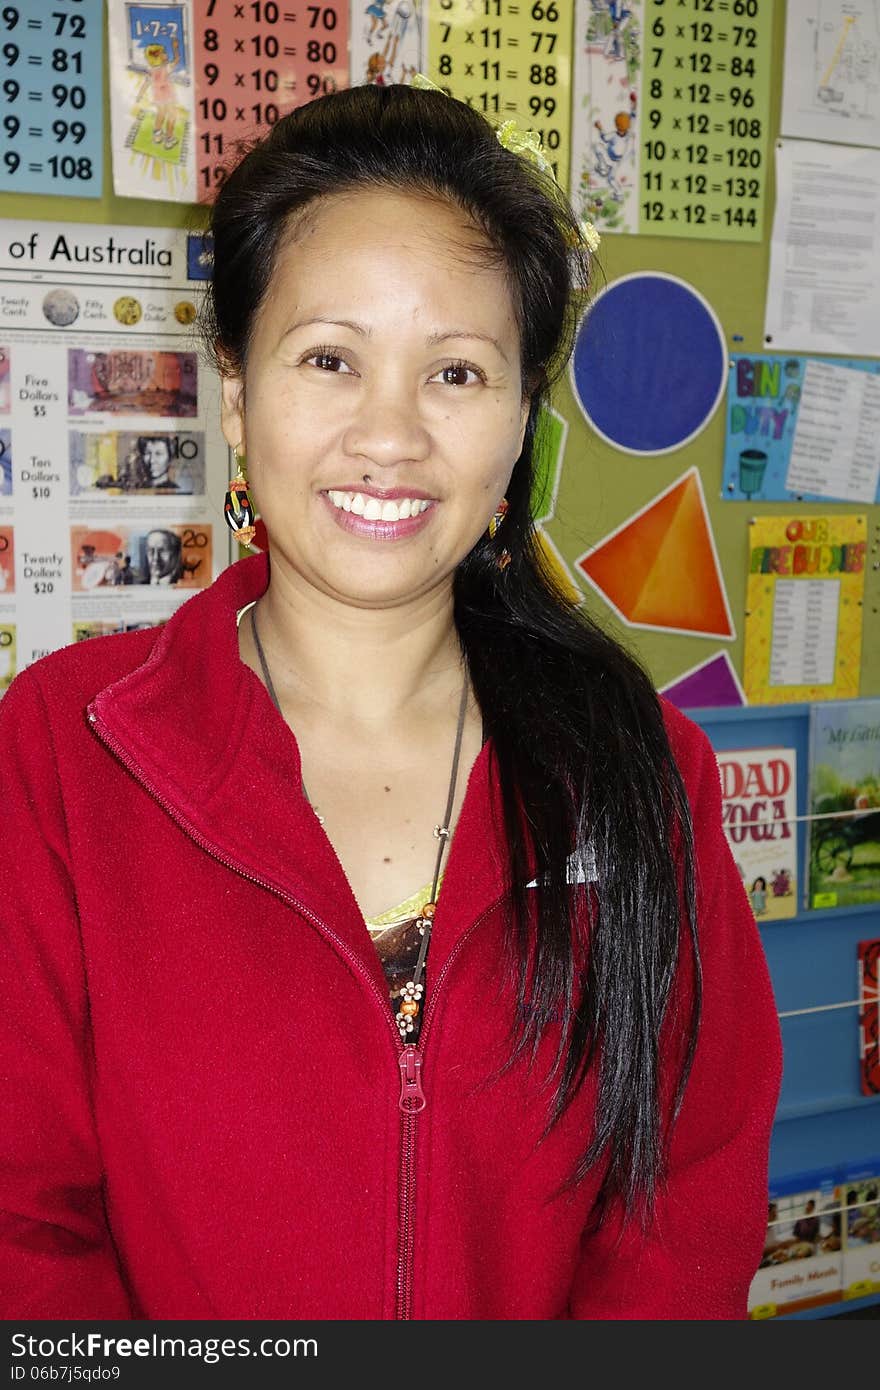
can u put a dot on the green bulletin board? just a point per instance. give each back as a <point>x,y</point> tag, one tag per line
<point>600,487</point>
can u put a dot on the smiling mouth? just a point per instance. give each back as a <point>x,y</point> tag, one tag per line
<point>374,509</point>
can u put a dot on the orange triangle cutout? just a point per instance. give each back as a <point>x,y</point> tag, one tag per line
<point>660,568</point>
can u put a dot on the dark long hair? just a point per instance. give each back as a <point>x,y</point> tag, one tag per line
<point>584,763</point>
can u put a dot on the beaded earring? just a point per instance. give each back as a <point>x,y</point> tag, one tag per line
<point>238,507</point>
<point>504,558</point>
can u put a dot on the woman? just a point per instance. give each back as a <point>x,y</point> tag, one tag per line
<point>229,1102</point>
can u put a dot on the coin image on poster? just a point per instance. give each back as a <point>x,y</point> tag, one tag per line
<point>185,311</point>
<point>127,310</point>
<point>61,307</point>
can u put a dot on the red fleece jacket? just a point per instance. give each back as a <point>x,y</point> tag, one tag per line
<point>201,1072</point>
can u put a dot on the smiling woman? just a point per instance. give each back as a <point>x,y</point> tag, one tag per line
<point>408,974</point>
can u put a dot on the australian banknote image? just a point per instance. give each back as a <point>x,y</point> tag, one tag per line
<point>139,382</point>
<point>84,630</point>
<point>5,462</point>
<point>7,655</point>
<point>178,556</point>
<point>115,463</point>
<point>7,561</point>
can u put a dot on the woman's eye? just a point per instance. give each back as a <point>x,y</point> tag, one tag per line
<point>326,361</point>
<point>456,374</point>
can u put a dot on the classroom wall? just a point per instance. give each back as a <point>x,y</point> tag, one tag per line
<point>602,486</point>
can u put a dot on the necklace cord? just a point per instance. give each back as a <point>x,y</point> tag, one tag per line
<point>442,830</point>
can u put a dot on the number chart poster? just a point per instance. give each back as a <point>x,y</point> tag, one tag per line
<point>670,116</point>
<point>510,61</point>
<point>802,429</point>
<point>52,97</point>
<point>191,80</point>
<point>113,466</point>
<point>804,597</point>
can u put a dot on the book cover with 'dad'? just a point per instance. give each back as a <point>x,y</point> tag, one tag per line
<point>758,805</point>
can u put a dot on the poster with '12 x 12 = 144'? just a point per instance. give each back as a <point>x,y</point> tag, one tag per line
<point>670,116</point>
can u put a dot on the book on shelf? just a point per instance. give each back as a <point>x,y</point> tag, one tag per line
<point>869,1017</point>
<point>844,802</point>
<point>758,807</point>
<point>861,1231</point>
<point>802,1263</point>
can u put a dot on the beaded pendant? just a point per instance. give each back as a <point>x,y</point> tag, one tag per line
<point>411,994</point>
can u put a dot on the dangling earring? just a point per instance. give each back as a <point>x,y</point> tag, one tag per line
<point>504,558</point>
<point>238,507</point>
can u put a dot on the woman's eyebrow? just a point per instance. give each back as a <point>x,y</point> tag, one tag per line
<point>432,340</point>
<point>435,338</point>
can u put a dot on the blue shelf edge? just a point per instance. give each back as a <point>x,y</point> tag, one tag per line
<point>823,1106</point>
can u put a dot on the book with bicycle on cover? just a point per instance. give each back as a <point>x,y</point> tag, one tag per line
<point>758,807</point>
<point>844,803</point>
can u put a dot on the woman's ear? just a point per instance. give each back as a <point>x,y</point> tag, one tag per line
<point>232,410</point>
<point>523,421</point>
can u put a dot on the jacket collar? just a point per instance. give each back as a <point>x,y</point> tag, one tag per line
<point>197,728</point>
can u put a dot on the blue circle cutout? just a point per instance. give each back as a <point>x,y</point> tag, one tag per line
<point>649,366</point>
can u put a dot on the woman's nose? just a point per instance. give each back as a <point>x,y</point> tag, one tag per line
<point>386,427</point>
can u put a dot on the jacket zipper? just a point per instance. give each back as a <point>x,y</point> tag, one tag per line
<point>410,1057</point>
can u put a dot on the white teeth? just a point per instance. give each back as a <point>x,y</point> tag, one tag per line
<point>371,509</point>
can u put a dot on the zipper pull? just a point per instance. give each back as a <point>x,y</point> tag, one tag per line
<point>412,1097</point>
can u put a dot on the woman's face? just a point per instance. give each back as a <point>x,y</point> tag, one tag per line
<point>381,410</point>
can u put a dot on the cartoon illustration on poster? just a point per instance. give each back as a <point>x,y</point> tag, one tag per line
<point>802,429</point>
<point>605,144</point>
<point>151,100</point>
<point>388,41</point>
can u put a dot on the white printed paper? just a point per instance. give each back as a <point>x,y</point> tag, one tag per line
<point>804,649</point>
<point>823,294</point>
<point>836,446</point>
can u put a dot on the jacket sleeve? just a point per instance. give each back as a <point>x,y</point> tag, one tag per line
<point>57,1259</point>
<point>697,1256</point>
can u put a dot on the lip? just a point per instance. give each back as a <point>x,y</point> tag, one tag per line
<point>379,530</point>
<point>382,494</point>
